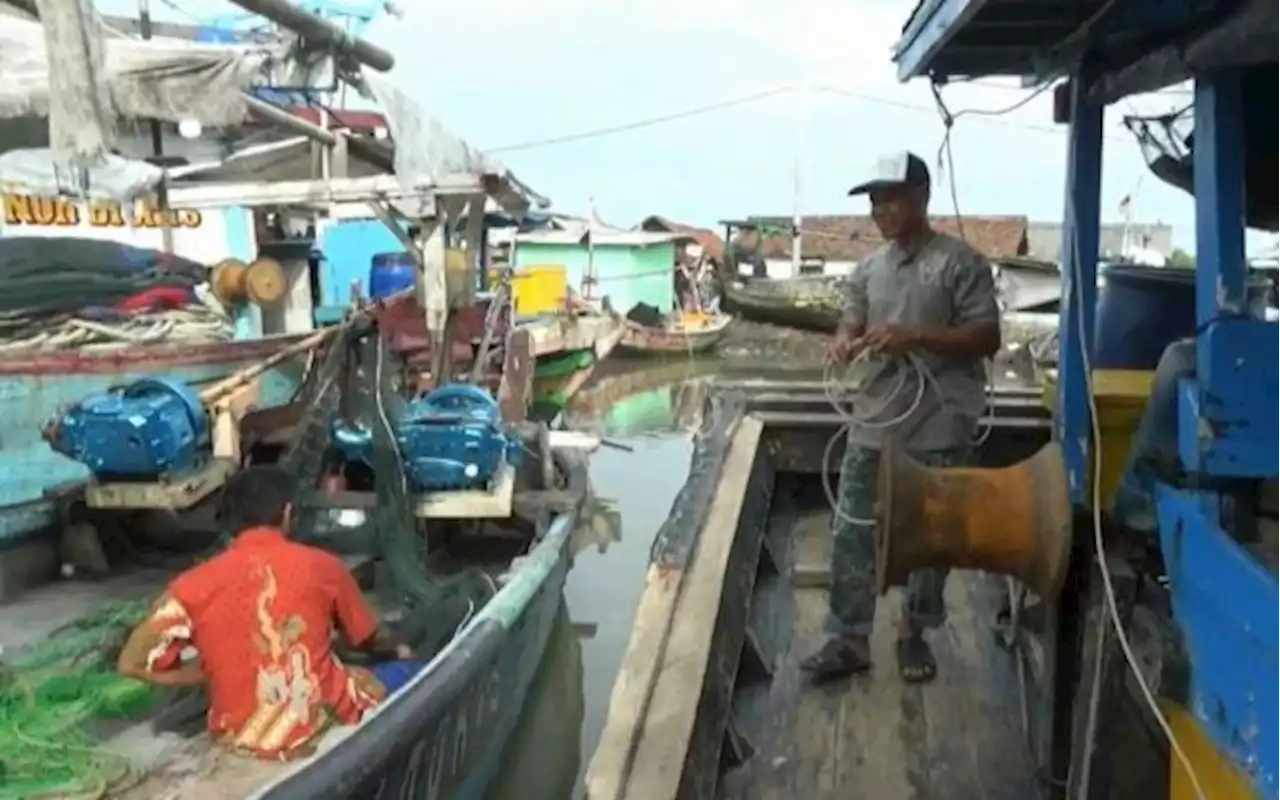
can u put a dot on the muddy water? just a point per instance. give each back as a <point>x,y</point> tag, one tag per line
<point>652,411</point>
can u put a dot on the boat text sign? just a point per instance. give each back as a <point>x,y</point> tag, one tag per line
<point>66,212</point>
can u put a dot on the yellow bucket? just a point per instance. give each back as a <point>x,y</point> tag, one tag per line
<point>1121,396</point>
<point>538,289</point>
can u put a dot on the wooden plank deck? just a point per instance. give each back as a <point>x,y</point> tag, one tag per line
<point>873,736</point>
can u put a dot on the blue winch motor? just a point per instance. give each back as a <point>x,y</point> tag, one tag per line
<point>453,437</point>
<point>144,430</point>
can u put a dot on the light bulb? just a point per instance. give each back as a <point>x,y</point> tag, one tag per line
<point>190,129</point>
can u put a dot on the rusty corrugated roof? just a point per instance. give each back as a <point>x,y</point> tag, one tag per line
<point>712,245</point>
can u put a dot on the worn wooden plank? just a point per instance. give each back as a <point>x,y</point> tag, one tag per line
<point>607,773</point>
<point>669,723</point>
<point>878,751</point>
<point>873,735</point>
<point>975,744</point>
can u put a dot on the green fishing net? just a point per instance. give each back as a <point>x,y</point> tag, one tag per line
<point>57,694</point>
<point>52,693</point>
<point>434,605</point>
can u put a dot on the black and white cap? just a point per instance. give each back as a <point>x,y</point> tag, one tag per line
<point>896,169</point>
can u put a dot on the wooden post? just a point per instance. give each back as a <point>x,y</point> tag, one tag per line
<point>433,294</point>
<point>475,247</point>
<point>157,143</point>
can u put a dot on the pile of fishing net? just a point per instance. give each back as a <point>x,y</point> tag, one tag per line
<point>52,694</point>
<point>435,606</point>
<point>47,279</point>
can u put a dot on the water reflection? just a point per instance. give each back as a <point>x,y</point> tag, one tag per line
<point>545,757</point>
<point>667,399</point>
<point>652,412</point>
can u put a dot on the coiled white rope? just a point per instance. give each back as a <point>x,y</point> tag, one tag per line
<point>908,366</point>
<point>201,322</point>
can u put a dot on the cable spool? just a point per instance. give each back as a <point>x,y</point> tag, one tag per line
<point>265,282</point>
<point>261,282</point>
<point>1012,521</point>
<point>228,281</point>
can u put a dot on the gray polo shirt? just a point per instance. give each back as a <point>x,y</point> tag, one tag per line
<point>946,283</point>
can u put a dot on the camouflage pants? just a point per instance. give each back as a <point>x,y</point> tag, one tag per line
<point>852,599</point>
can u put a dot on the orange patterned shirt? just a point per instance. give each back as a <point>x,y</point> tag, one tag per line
<point>261,615</point>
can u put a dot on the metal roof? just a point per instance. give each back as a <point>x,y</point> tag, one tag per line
<point>602,238</point>
<point>1155,42</point>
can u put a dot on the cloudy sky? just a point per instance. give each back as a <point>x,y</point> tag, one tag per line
<point>504,73</point>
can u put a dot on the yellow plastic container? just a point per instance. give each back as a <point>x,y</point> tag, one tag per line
<point>538,289</point>
<point>1121,396</point>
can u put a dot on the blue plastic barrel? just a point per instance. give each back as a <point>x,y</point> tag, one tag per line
<point>1141,310</point>
<point>390,273</point>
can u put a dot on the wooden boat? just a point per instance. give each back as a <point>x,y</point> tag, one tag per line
<point>1028,284</point>
<point>811,303</point>
<point>689,333</point>
<point>545,753</point>
<point>444,733</point>
<point>35,385</point>
<point>734,594</point>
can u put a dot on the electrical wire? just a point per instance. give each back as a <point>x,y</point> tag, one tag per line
<point>1113,609</point>
<point>642,123</point>
<point>1095,504</point>
<point>991,116</point>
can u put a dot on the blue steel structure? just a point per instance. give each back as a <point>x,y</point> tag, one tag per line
<point>1224,600</point>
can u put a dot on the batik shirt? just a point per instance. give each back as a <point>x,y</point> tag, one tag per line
<point>261,615</point>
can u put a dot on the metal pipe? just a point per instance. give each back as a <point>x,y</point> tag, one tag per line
<point>320,31</point>
<point>275,115</point>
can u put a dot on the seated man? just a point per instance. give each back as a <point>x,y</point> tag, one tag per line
<point>261,617</point>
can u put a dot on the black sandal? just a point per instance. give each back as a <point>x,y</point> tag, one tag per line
<point>839,658</point>
<point>915,660</point>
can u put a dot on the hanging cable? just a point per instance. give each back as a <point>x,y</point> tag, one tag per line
<point>642,123</point>
<point>1112,605</point>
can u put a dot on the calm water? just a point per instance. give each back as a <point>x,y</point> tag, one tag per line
<point>568,702</point>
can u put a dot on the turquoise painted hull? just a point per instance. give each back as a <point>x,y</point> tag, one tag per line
<point>29,398</point>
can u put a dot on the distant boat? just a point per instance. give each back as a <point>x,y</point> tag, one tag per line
<point>809,303</point>
<point>1028,284</point>
<point>687,333</point>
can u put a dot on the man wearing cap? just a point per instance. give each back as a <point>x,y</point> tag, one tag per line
<point>922,297</point>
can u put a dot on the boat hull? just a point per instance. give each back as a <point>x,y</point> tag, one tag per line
<point>34,388</point>
<point>642,340</point>
<point>809,304</point>
<point>442,737</point>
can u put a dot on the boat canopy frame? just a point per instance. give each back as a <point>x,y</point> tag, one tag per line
<point>1223,599</point>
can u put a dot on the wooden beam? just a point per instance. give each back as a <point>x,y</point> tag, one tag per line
<point>928,33</point>
<point>215,195</point>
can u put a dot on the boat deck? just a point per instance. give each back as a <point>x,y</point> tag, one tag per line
<point>710,701</point>
<point>874,735</point>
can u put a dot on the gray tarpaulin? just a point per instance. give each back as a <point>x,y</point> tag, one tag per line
<point>428,154</point>
<point>97,79</point>
<point>34,171</point>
